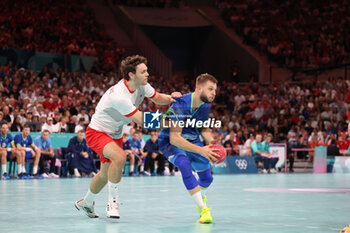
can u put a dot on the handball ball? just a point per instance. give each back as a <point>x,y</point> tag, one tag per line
<point>345,230</point>
<point>221,153</point>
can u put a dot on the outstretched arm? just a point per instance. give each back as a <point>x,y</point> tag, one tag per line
<point>164,99</point>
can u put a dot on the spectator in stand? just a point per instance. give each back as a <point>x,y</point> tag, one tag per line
<point>246,149</point>
<point>16,125</point>
<point>62,126</point>
<point>26,149</point>
<point>292,143</point>
<point>80,156</point>
<point>6,114</point>
<point>153,154</point>
<point>260,153</point>
<point>333,149</point>
<point>84,115</point>
<point>230,143</point>
<point>46,154</point>
<point>49,126</point>
<point>79,126</point>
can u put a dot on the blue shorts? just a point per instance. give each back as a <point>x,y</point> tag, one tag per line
<point>9,155</point>
<point>198,162</point>
<point>29,155</point>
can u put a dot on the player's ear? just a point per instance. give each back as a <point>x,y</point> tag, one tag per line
<point>131,75</point>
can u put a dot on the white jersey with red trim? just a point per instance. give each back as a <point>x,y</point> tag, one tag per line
<point>116,107</point>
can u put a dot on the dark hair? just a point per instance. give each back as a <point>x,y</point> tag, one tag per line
<point>202,78</point>
<point>81,131</point>
<point>26,126</point>
<point>129,65</point>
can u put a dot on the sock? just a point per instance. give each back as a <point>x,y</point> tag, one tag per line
<point>35,169</point>
<point>203,191</point>
<point>131,168</point>
<point>141,168</point>
<point>76,172</point>
<point>23,169</point>
<point>112,192</point>
<point>3,168</point>
<point>197,197</point>
<point>89,197</point>
<point>19,169</point>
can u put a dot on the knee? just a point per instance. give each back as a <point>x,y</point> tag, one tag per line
<point>182,162</point>
<point>118,158</point>
<point>205,178</point>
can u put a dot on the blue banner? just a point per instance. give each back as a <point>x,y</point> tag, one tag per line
<point>236,165</point>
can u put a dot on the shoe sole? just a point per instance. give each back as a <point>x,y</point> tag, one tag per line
<point>113,216</point>
<point>90,216</point>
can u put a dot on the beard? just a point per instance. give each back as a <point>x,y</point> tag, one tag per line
<point>205,99</point>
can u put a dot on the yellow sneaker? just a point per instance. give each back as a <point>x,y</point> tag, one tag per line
<point>205,203</point>
<point>205,216</point>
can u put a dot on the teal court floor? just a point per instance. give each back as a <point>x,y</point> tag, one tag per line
<point>240,203</point>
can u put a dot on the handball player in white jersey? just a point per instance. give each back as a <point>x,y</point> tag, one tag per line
<point>117,107</point>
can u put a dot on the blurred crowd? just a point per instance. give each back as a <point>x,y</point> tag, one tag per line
<point>51,26</point>
<point>302,34</point>
<point>151,3</point>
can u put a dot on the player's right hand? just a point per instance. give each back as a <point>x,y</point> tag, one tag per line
<point>209,153</point>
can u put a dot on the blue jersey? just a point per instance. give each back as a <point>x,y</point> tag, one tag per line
<point>44,145</point>
<point>135,145</point>
<point>6,141</point>
<point>126,145</point>
<point>182,110</point>
<point>24,142</point>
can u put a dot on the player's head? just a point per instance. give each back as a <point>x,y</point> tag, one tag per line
<point>258,137</point>
<point>153,136</point>
<point>81,135</point>
<point>206,85</point>
<point>45,134</point>
<point>135,135</point>
<point>26,131</point>
<point>4,128</point>
<point>135,68</point>
<point>125,137</point>
<point>268,138</point>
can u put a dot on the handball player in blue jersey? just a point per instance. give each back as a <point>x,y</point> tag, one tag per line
<point>7,150</point>
<point>26,149</point>
<point>183,146</point>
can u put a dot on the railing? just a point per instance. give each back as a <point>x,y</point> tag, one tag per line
<point>158,61</point>
<point>343,69</point>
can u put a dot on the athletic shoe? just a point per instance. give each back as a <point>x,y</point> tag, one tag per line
<point>154,174</point>
<point>143,174</point>
<point>125,175</point>
<point>205,216</point>
<point>46,176</point>
<point>205,203</point>
<point>161,174</point>
<point>53,175</point>
<point>132,174</point>
<point>89,210</point>
<point>273,171</point>
<point>5,176</point>
<point>38,176</point>
<point>112,210</point>
<point>264,171</point>
<point>27,176</point>
<point>20,176</point>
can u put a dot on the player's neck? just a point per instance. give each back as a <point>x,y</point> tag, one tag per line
<point>132,86</point>
<point>3,135</point>
<point>196,101</point>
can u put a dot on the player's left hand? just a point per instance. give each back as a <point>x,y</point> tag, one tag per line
<point>176,94</point>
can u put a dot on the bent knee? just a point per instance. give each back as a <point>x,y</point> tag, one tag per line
<point>119,158</point>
